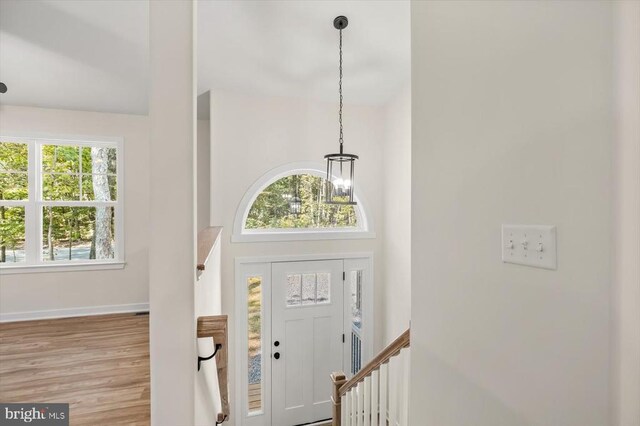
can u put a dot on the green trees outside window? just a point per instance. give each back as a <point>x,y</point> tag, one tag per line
<point>74,201</point>
<point>271,209</point>
<point>14,166</point>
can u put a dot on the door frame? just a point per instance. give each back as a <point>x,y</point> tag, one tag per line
<point>246,266</point>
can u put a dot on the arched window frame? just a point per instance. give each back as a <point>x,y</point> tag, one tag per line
<point>364,230</point>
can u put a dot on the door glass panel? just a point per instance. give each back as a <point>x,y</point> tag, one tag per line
<point>308,289</point>
<point>355,278</point>
<point>254,321</point>
<point>294,282</point>
<point>323,285</point>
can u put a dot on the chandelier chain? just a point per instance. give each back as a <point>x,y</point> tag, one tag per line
<point>340,90</point>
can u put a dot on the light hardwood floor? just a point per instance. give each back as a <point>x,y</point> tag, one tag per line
<point>99,365</point>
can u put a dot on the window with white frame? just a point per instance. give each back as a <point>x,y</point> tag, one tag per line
<point>60,202</point>
<point>286,204</point>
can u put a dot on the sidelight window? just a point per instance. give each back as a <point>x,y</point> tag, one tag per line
<point>254,333</point>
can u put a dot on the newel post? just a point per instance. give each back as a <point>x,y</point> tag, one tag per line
<point>338,379</point>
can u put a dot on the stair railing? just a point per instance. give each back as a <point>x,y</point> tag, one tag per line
<point>216,327</point>
<point>379,393</point>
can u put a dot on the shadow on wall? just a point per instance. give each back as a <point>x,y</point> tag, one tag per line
<point>41,25</point>
<point>469,400</point>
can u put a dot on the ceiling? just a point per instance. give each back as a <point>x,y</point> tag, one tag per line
<point>83,55</point>
<point>94,55</point>
<point>287,48</point>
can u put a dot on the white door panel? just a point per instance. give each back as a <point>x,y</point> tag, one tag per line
<point>307,322</point>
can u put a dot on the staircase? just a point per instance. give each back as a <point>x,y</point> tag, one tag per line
<point>379,393</point>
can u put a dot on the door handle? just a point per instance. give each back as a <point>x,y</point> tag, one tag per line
<point>276,355</point>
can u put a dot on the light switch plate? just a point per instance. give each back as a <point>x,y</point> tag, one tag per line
<point>531,245</point>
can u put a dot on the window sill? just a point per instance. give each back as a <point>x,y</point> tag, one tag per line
<point>284,235</point>
<point>61,267</point>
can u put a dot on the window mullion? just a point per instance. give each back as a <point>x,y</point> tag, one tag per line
<point>63,203</point>
<point>80,172</point>
<point>31,214</point>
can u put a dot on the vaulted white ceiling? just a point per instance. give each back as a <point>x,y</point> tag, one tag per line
<point>94,55</point>
<point>84,55</point>
<point>290,48</point>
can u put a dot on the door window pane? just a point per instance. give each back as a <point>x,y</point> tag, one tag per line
<point>355,278</point>
<point>294,292</point>
<point>356,298</point>
<point>254,309</point>
<point>323,286</point>
<point>308,289</point>
<point>11,234</point>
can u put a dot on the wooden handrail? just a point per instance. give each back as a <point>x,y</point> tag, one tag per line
<point>337,379</point>
<point>206,241</point>
<point>403,341</point>
<point>216,327</point>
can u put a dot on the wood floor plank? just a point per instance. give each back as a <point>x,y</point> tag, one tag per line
<point>99,365</point>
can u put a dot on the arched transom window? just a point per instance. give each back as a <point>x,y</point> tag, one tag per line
<point>295,202</point>
<point>286,204</point>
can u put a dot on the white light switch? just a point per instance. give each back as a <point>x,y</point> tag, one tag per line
<point>531,245</point>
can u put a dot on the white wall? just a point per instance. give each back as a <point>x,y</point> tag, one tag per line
<point>511,123</point>
<point>203,161</point>
<point>626,219</point>
<point>252,135</point>
<point>41,295</point>
<point>208,301</point>
<point>204,174</point>
<point>396,218</point>
<point>172,219</point>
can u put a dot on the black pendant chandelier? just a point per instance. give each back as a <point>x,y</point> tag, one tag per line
<point>340,166</point>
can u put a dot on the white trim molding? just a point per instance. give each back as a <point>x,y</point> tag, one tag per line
<point>248,266</point>
<point>365,229</point>
<point>74,312</point>
<point>18,268</point>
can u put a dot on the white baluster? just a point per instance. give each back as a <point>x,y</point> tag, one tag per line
<point>360,403</point>
<point>346,409</point>
<point>384,392</point>
<point>375,392</point>
<point>393,391</point>
<point>354,406</point>
<point>367,401</point>
<point>404,407</point>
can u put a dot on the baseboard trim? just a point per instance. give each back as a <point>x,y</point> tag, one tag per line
<point>74,312</point>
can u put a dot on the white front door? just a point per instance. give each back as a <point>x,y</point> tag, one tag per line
<point>306,339</point>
